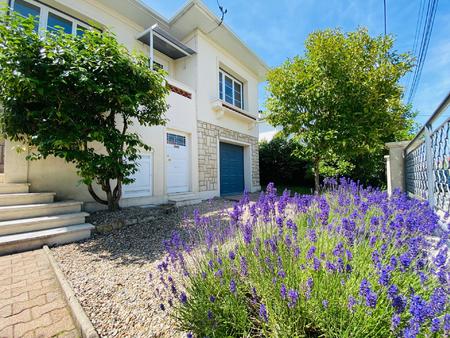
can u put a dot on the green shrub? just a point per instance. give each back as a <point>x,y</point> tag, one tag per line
<point>350,263</point>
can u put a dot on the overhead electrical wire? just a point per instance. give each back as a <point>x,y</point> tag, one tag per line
<point>416,39</point>
<point>424,43</point>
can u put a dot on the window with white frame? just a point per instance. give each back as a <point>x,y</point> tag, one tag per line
<point>48,18</point>
<point>230,89</point>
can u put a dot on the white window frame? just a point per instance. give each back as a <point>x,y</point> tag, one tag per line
<point>43,17</point>
<point>222,75</point>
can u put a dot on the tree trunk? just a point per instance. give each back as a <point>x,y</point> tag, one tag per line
<point>112,198</point>
<point>316,176</point>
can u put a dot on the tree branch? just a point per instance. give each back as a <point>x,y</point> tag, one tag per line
<point>95,196</point>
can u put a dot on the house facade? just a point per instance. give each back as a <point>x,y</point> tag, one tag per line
<point>209,146</point>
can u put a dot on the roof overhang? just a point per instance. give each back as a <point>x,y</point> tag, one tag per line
<point>165,43</point>
<point>195,15</point>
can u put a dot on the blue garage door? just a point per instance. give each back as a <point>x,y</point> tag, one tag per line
<point>231,169</point>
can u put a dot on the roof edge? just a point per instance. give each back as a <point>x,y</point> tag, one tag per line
<point>190,3</point>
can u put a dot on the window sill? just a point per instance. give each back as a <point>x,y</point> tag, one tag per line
<point>221,108</point>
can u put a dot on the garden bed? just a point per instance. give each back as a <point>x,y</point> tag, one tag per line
<point>110,273</point>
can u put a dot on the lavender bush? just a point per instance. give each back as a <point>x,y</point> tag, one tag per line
<point>349,263</point>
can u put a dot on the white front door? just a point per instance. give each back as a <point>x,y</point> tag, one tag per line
<point>177,154</point>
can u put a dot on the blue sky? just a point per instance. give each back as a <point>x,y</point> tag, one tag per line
<point>276,30</point>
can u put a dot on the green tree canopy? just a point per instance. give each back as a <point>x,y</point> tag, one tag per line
<point>341,100</point>
<point>75,98</point>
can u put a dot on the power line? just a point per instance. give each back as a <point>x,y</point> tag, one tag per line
<point>416,39</point>
<point>424,43</point>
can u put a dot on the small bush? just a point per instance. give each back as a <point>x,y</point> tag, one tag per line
<point>349,263</point>
<point>278,164</point>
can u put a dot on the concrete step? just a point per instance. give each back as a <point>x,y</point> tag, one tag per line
<point>183,199</point>
<point>36,239</point>
<point>18,226</point>
<point>26,198</point>
<point>12,188</point>
<point>14,212</point>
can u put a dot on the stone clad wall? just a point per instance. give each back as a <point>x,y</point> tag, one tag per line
<point>208,136</point>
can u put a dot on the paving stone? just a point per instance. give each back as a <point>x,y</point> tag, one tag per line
<point>22,317</point>
<point>6,311</point>
<point>22,328</point>
<point>20,306</point>
<point>7,332</point>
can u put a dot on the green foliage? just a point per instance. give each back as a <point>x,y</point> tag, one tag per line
<point>342,101</point>
<point>75,98</point>
<point>278,163</point>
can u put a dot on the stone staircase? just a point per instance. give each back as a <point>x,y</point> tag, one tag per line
<point>31,220</point>
<point>183,199</point>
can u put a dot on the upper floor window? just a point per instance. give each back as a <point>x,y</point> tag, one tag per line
<point>48,18</point>
<point>231,90</point>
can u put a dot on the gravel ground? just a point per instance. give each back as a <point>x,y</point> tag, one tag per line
<point>110,273</point>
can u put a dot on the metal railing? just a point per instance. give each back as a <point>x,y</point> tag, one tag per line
<point>427,161</point>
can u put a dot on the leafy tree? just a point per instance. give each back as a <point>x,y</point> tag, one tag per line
<point>75,98</point>
<point>341,100</point>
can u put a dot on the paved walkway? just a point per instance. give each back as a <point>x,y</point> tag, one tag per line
<point>31,302</point>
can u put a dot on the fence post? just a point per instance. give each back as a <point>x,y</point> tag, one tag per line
<point>429,162</point>
<point>395,166</point>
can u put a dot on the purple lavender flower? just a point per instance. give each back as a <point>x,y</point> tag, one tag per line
<point>263,313</point>
<point>210,315</point>
<point>330,266</point>
<point>392,291</point>
<point>212,299</point>
<point>311,252</point>
<point>339,249</point>
<point>183,298</point>
<point>364,287</point>
<point>351,303</point>
<point>385,277</point>
<point>189,335</point>
<point>233,286</point>
<point>418,309</point>
<point>316,264</point>
<point>395,322</point>
<point>447,322</point>
<point>231,255</point>
<point>399,303</point>
<point>283,291</point>
<point>162,307</point>
<point>281,274</point>
<point>435,325</point>
<point>219,273</point>
<point>293,297</point>
<point>405,259</point>
<point>441,257</point>
<point>312,235</point>
<point>371,299</point>
<point>325,303</point>
<point>244,269</point>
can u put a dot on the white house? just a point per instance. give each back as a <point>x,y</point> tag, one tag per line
<point>209,146</point>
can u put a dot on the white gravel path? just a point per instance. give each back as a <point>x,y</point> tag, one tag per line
<point>109,274</point>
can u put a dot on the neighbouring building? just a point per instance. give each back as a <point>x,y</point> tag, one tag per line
<point>209,146</point>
